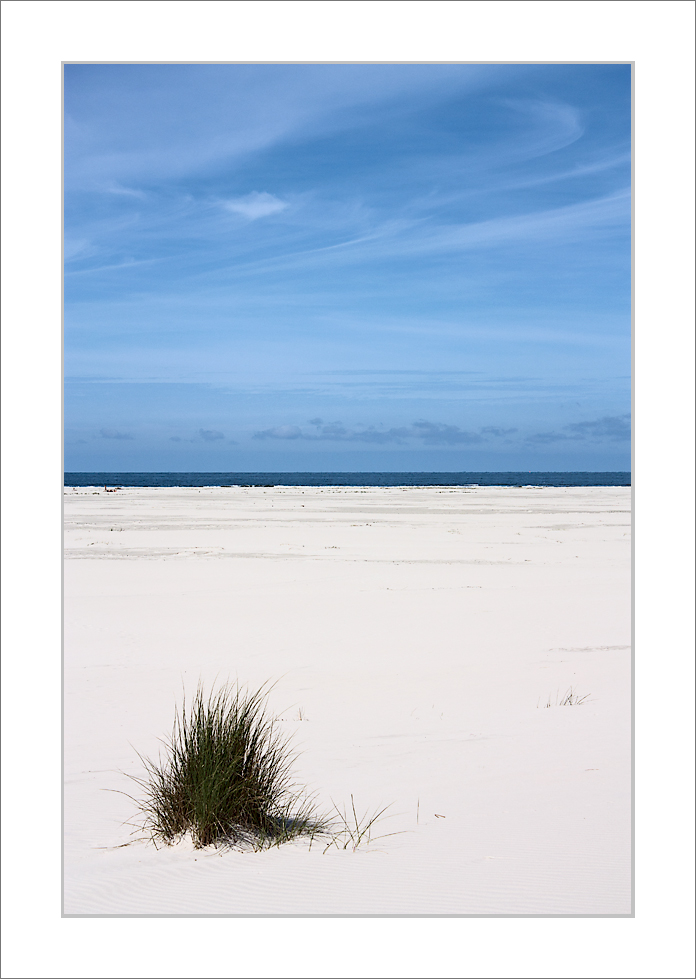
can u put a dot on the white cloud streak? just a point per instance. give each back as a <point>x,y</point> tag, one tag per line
<point>255,205</point>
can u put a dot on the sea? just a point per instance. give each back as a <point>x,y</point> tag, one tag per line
<point>351,479</point>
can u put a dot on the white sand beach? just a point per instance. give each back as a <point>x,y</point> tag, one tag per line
<point>415,637</point>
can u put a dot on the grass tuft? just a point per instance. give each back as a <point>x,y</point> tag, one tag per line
<point>226,778</point>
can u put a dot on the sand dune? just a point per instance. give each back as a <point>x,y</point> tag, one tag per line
<point>416,636</point>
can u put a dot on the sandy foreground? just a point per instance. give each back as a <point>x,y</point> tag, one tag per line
<point>416,636</point>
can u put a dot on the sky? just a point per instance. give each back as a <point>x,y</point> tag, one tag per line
<point>346,267</point>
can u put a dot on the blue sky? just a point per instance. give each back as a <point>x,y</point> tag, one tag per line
<point>347,267</point>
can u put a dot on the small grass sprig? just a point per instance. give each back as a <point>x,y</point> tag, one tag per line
<point>352,831</point>
<point>569,699</point>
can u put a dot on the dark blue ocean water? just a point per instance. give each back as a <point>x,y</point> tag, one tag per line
<point>351,479</point>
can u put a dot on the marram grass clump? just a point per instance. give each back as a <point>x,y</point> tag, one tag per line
<point>226,778</point>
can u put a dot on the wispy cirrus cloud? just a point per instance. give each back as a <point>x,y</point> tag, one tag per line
<point>128,264</point>
<point>227,112</point>
<point>74,247</point>
<point>125,191</point>
<point>552,124</point>
<point>408,238</point>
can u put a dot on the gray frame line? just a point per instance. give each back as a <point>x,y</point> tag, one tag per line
<point>62,490</point>
<point>389,915</point>
<point>633,491</point>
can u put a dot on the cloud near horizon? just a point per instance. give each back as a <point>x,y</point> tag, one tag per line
<point>616,428</point>
<point>609,428</point>
<point>112,433</point>
<point>428,433</point>
<point>204,435</point>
